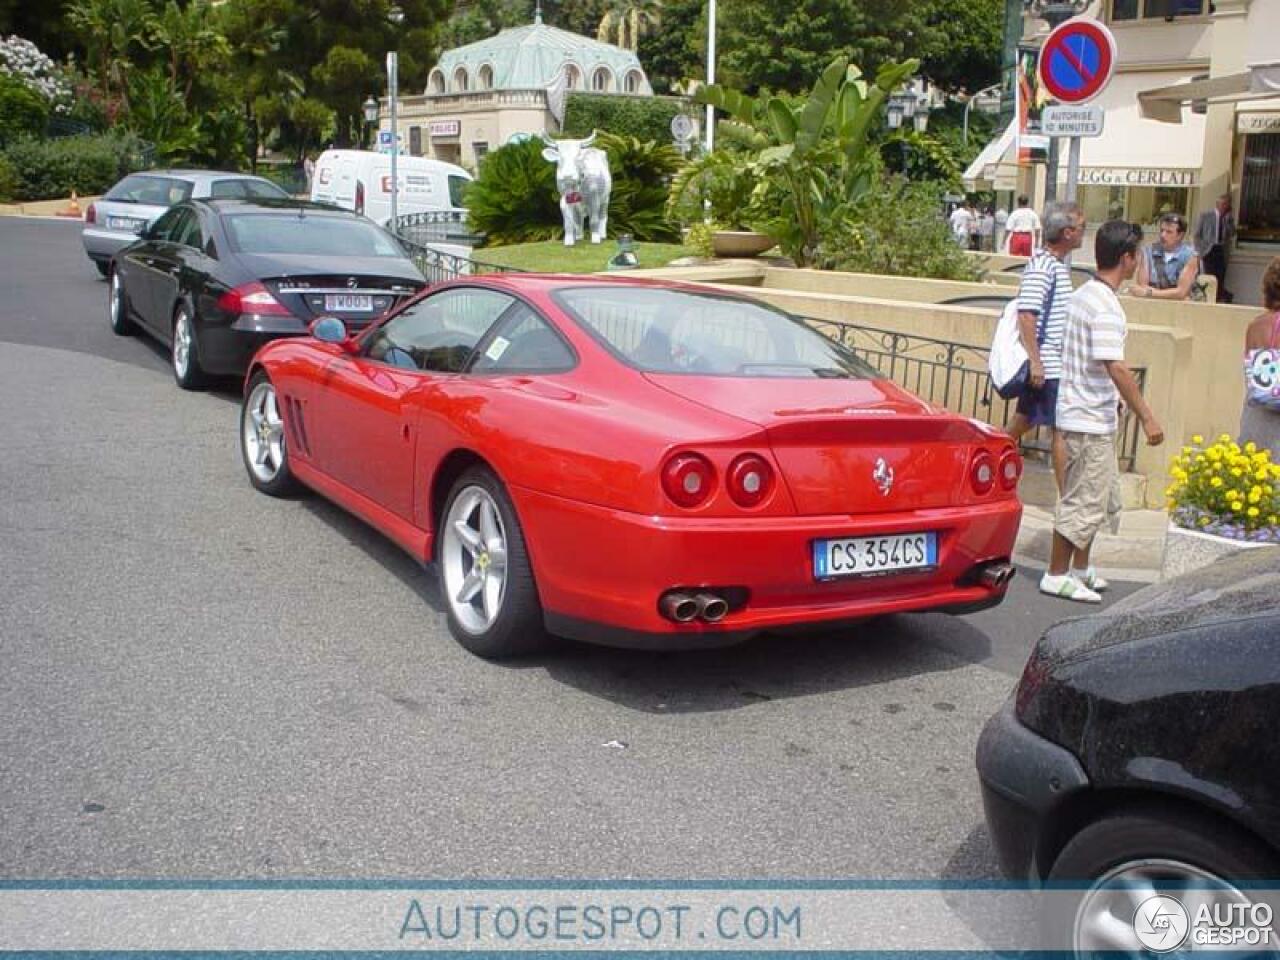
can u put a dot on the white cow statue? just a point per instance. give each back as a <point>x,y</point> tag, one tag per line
<point>584,182</point>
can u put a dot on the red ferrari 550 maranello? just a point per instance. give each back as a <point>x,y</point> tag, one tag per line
<point>634,463</point>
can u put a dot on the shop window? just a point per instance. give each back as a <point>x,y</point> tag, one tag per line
<point>480,149</point>
<point>486,78</point>
<point>602,80</point>
<point>1155,9</point>
<point>460,80</point>
<point>1259,218</point>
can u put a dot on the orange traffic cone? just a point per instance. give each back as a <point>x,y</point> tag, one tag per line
<point>72,208</point>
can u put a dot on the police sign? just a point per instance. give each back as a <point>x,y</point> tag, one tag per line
<point>1064,121</point>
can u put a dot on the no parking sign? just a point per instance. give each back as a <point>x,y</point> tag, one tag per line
<point>1077,60</point>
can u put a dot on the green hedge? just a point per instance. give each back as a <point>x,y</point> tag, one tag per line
<point>23,112</point>
<point>645,118</point>
<point>50,169</point>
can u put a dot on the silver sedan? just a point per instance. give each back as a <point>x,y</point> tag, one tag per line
<point>115,221</point>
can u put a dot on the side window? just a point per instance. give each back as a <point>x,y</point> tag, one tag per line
<point>227,189</point>
<point>178,227</point>
<point>189,232</point>
<point>163,228</point>
<point>438,334</point>
<point>525,342</point>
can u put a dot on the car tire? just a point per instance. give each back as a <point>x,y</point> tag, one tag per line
<point>103,267</point>
<point>486,580</point>
<point>1121,851</point>
<point>263,444</point>
<point>184,351</point>
<point>118,307</point>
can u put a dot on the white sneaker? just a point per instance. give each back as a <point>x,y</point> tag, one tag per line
<point>1067,587</point>
<point>1089,577</point>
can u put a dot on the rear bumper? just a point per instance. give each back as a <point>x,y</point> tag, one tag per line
<point>1024,779</point>
<point>601,572</point>
<point>104,244</point>
<point>226,349</point>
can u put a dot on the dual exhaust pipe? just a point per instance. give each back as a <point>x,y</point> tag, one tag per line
<point>684,607</point>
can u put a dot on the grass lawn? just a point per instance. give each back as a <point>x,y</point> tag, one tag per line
<point>552,256</point>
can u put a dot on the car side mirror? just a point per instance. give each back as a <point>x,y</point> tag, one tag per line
<point>332,330</point>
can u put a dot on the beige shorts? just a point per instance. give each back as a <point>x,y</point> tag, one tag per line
<point>1091,494</point>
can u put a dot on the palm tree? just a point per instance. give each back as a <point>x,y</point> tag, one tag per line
<point>626,21</point>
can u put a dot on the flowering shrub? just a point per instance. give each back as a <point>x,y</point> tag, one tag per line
<point>23,60</point>
<point>1226,489</point>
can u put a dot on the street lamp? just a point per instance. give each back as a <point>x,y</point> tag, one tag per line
<point>985,91</point>
<point>370,111</point>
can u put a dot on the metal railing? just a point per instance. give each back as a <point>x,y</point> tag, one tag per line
<point>954,375</point>
<point>439,265</point>
<point>435,226</point>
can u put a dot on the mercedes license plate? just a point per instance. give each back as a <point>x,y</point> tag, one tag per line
<point>859,556</point>
<point>124,223</point>
<point>349,302</point>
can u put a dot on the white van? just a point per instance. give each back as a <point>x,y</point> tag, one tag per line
<point>360,180</point>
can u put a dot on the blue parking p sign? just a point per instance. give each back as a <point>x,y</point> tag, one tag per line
<point>384,137</point>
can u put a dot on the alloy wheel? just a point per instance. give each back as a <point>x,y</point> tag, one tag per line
<point>262,432</point>
<point>474,559</point>
<point>181,344</point>
<point>1151,898</point>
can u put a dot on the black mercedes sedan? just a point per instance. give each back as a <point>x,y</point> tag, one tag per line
<point>1139,758</point>
<point>216,279</point>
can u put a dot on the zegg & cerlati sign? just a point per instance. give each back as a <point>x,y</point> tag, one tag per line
<point>1138,177</point>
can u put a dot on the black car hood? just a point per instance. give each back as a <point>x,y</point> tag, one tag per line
<point>278,265</point>
<point>1243,586</point>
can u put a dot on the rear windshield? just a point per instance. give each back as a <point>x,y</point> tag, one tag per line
<point>457,187</point>
<point>308,235</point>
<point>242,187</point>
<point>678,331</point>
<point>151,190</point>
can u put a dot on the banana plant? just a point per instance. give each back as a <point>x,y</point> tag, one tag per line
<point>813,151</point>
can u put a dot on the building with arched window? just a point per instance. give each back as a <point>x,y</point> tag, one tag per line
<point>480,96</point>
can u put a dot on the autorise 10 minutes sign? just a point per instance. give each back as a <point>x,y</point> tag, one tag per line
<point>1071,121</point>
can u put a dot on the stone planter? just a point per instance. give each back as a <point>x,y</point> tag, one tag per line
<point>740,243</point>
<point>1186,550</point>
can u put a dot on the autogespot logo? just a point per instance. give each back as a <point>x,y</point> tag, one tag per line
<point>1161,924</point>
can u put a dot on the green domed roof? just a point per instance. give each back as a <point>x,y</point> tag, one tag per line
<point>531,57</point>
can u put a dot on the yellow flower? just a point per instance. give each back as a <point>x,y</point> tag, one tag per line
<point>1237,472</point>
<point>1204,521</point>
<point>1214,454</point>
<point>1216,482</point>
<point>1255,494</point>
<point>1272,519</point>
<point>1224,438</point>
<point>1253,511</point>
<point>1197,439</point>
<point>1237,506</point>
<point>1250,447</point>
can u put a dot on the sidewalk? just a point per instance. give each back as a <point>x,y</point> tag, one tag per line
<point>44,208</point>
<point>1134,553</point>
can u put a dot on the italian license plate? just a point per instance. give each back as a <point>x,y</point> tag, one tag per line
<point>124,223</point>
<point>859,556</point>
<point>349,302</point>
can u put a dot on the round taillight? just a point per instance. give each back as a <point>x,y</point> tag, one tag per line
<point>1010,469</point>
<point>688,479</point>
<point>750,480</point>
<point>982,475</point>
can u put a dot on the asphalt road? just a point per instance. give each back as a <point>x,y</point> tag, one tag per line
<point>201,682</point>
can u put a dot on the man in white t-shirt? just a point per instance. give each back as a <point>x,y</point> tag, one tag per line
<point>961,224</point>
<point>1022,230</point>
<point>1094,380</point>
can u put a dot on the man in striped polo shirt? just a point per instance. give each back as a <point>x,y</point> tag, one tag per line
<point>1095,379</point>
<point>1043,296</point>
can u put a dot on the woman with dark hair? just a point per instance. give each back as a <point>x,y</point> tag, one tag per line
<point>1260,421</point>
